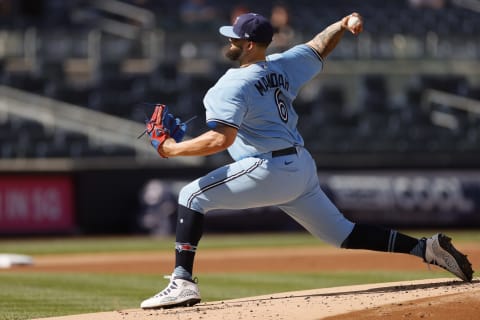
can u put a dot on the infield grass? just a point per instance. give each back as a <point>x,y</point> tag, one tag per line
<point>35,295</point>
<point>26,295</point>
<point>41,246</point>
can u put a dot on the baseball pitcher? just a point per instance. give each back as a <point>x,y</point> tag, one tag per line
<point>250,113</point>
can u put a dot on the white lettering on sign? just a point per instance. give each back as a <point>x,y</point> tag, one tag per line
<point>360,192</point>
<point>444,194</point>
<point>16,204</point>
<point>46,204</point>
<point>402,192</point>
<point>35,204</point>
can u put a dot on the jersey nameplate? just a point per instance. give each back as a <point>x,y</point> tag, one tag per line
<point>271,81</point>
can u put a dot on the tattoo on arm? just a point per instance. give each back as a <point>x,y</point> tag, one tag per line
<point>327,40</point>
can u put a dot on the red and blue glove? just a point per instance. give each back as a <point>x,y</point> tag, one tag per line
<point>163,125</point>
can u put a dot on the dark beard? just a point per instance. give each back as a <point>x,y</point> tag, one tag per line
<point>233,53</point>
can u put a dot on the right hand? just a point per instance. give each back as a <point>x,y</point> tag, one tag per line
<point>355,28</point>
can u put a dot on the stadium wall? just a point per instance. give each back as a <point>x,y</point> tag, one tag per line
<point>109,201</point>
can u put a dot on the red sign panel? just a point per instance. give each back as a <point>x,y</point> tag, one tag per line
<point>32,204</point>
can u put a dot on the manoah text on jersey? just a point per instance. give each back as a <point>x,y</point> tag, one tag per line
<point>271,81</point>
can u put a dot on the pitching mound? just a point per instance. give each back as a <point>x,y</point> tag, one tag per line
<point>438,299</point>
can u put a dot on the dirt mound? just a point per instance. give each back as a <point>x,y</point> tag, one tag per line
<point>397,300</point>
<point>465,306</point>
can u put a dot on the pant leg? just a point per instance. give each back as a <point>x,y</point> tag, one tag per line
<point>248,183</point>
<point>314,210</point>
<point>290,182</point>
<point>319,216</point>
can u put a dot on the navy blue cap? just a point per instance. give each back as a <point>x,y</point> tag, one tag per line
<point>249,26</point>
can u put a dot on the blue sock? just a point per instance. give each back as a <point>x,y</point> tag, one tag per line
<point>180,272</point>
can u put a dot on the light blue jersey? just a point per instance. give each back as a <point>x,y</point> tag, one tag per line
<point>257,100</point>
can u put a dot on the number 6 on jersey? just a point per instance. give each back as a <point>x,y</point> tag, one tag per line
<point>281,105</point>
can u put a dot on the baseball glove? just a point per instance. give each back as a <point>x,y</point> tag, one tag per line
<point>163,125</point>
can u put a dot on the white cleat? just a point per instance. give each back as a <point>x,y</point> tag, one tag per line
<point>440,251</point>
<point>178,293</point>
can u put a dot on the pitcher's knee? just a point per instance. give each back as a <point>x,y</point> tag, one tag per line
<point>189,197</point>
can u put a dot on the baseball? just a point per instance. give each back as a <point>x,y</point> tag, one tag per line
<point>353,21</point>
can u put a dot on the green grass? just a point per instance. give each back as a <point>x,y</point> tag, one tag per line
<point>27,295</point>
<point>209,241</point>
<point>35,294</point>
<point>129,244</point>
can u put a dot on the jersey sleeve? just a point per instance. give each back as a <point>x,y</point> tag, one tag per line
<point>301,63</point>
<point>224,104</point>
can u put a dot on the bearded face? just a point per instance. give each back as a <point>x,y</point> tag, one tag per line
<point>235,51</point>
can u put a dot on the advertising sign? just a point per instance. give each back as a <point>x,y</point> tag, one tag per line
<point>407,198</point>
<point>36,203</point>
